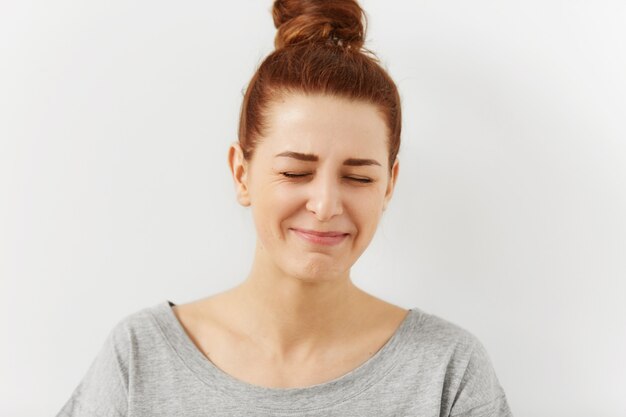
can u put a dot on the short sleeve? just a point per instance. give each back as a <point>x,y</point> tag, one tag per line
<point>479,392</point>
<point>103,391</point>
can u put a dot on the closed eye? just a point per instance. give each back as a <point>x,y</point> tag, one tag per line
<point>363,180</point>
<point>291,175</point>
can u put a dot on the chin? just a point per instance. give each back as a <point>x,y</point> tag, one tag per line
<point>317,271</point>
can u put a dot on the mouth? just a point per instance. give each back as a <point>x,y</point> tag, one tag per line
<point>321,238</point>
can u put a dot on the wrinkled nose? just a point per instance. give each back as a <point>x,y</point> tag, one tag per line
<point>324,199</point>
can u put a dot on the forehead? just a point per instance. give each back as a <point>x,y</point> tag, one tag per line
<point>324,125</point>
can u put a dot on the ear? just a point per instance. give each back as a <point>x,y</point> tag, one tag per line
<point>239,170</point>
<point>391,184</point>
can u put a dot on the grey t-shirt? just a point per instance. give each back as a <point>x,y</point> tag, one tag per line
<point>149,366</point>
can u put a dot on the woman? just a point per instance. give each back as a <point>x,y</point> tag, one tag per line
<point>316,162</point>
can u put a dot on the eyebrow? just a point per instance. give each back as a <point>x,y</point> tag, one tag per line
<point>354,162</point>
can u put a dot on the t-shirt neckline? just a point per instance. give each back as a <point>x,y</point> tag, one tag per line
<point>325,394</point>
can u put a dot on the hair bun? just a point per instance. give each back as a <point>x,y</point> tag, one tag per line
<point>339,22</point>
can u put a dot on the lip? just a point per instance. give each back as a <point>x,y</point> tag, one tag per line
<point>321,238</point>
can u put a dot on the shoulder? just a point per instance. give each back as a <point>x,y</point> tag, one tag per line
<point>458,359</point>
<point>138,328</point>
<point>432,332</point>
<point>436,337</point>
<point>104,389</point>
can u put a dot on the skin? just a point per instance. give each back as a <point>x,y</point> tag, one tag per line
<point>298,319</point>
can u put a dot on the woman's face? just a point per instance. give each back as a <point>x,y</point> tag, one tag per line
<point>317,184</point>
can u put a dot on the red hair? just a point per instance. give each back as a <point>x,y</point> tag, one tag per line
<point>319,50</point>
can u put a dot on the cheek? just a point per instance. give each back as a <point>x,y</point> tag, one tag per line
<point>367,210</point>
<point>369,216</point>
<point>287,196</point>
<point>272,206</point>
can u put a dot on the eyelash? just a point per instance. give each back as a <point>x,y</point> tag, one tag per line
<point>361,180</point>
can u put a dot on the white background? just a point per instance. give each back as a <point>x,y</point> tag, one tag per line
<point>508,218</point>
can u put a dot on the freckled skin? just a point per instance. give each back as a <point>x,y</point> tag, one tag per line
<point>326,196</point>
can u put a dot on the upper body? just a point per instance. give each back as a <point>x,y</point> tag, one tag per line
<point>150,366</point>
<point>316,162</point>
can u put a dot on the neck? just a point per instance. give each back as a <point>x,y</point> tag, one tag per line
<point>292,316</point>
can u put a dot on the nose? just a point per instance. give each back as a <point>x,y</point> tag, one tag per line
<point>324,199</point>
